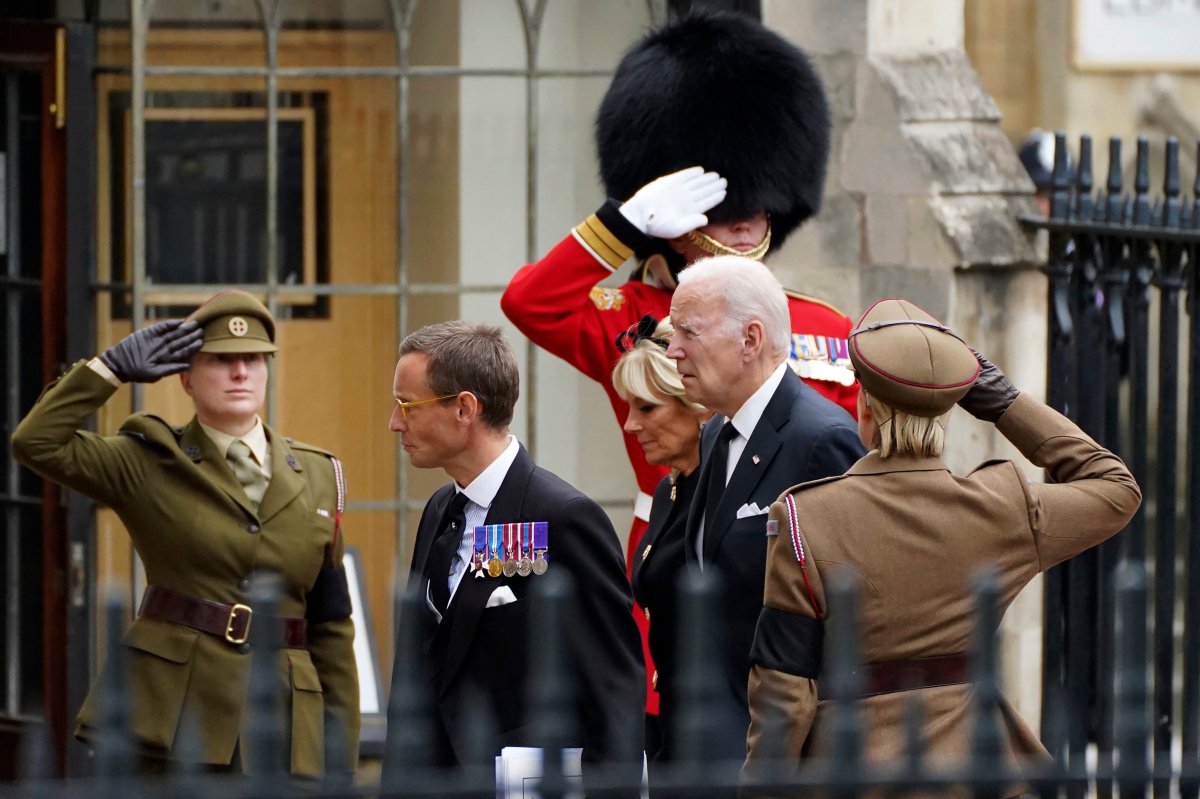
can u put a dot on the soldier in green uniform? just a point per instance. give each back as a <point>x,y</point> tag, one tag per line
<point>207,505</point>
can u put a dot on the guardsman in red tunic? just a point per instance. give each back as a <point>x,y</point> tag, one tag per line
<point>708,92</point>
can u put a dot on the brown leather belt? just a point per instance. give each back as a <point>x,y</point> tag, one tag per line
<point>230,623</point>
<point>888,676</point>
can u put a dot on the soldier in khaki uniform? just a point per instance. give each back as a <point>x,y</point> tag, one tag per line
<point>914,533</point>
<point>207,505</point>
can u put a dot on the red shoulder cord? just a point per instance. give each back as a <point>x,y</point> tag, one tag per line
<point>339,478</point>
<point>798,546</point>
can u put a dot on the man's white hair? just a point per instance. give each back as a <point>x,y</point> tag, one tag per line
<point>751,293</point>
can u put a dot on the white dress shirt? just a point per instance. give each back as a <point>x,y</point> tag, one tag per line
<point>480,494</point>
<point>744,421</point>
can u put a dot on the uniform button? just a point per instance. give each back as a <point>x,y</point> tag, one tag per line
<point>243,584</point>
<point>245,649</point>
<point>252,527</point>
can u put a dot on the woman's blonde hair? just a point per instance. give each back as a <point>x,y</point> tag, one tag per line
<point>903,433</point>
<point>645,371</point>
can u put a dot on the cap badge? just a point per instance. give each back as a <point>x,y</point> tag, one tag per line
<point>238,326</point>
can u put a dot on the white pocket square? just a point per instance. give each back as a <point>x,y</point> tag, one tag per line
<point>750,509</point>
<point>501,596</point>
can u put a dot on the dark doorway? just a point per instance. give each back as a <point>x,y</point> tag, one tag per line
<point>46,204</point>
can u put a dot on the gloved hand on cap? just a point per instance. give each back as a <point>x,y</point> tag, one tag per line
<point>992,393</point>
<point>154,352</point>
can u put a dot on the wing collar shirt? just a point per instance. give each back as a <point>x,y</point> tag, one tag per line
<point>744,421</point>
<point>480,493</point>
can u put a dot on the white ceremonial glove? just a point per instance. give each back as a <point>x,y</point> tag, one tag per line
<point>675,204</point>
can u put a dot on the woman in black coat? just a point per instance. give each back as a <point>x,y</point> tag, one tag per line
<point>668,428</point>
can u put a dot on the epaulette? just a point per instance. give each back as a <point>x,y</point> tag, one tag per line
<point>150,426</point>
<point>810,484</point>
<point>814,300</point>
<point>294,444</point>
<point>987,463</point>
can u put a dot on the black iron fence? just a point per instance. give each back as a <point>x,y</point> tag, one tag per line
<point>1122,269</point>
<point>406,772</point>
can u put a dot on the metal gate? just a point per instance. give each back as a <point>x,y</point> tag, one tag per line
<point>1124,344</point>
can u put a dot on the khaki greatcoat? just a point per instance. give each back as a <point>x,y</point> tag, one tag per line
<point>196,533</point>
<point>914,534</point>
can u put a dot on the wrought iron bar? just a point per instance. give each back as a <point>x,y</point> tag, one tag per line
<point>1132,699</point>
<point>1190,719</point>
<point>1060,337</point>
<point>1168,281</point>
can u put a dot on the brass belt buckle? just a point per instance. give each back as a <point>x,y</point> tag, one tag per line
<point>233,611</point>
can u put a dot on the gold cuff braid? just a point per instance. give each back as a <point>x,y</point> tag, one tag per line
<point>713,247</point>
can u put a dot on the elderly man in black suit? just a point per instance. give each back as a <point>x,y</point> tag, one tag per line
<point>483,541</point>
<point>731,345</point>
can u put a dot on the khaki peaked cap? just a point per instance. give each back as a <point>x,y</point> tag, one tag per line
<point>235,321</point>
<point>910,360</point>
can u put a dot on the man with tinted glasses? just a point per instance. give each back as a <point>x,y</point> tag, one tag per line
<point>483,541</point>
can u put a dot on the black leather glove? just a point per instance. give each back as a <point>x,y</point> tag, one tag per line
<point>992,393</point>
<point>154,352</point>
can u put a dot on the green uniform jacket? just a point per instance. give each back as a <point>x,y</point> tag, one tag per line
<point>196,533</point>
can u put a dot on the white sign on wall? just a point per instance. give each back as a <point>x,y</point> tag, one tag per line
<point>1158,35</point>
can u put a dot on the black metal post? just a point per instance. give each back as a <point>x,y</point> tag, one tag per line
<point>1190,721</point>
<point>1060,337</point>
<point>1169,282</point>
<point>1132,712</point>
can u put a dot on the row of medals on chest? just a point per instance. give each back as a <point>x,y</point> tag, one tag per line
<point>517,561</point>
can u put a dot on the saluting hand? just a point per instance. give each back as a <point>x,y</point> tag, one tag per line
<point>675,204</point>
<point>992,393</point>
<point>154,352</point>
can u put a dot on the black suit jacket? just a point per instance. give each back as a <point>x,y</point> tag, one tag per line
<point>801,436</point>
<point>480,654</point>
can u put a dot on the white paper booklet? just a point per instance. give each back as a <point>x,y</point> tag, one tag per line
<point>519,770</point>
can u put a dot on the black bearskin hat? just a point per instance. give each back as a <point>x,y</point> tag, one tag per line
<point>724,92</point>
